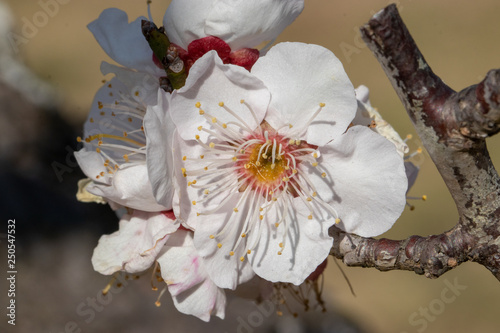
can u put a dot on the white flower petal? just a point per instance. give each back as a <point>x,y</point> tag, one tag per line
<point>129,187</point>
<point>306,245</point>
<point>239,23</point>
<point>300,77</point>
<point>134,247</point>
<point>211,82</point>
<point>124,41</point>
<point>159,129</point>
<point>243,23</point>
<point>366,115</point>
<point>140,86</point>
<point>184,20</point>
<point>226,271</point>
<point>365,181</point>
<point>188,282</point>
<point>92,165</point>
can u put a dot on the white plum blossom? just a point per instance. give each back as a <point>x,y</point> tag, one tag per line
<point>369,116</point>
<point>114,151</point>
<point>144,238</point>
<point>267,162</point>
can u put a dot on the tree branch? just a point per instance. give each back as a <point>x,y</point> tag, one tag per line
<point>453,127</point>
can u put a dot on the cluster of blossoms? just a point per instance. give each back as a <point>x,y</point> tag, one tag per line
<point>227,163</point>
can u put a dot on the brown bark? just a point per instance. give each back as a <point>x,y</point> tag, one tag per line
<point>453,127</point>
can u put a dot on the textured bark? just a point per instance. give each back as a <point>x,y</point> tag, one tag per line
<point>453,127</point>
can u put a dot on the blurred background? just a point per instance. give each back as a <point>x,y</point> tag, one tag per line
<point>48,79</point>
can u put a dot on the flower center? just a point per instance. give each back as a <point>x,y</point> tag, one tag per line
<point>266,168</point>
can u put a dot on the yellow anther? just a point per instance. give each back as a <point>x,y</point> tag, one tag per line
<point>291,142</point>
<point>99,143</point>
<point>136,93</point>
<point>294,171</point>
<point>243,235</point>
<point>193,202</point>
<point>214,120</point>
<point>247,166</point>
<point>337,220</point>
<point>184,158</point>
<point>129,120</point>
<point>314,194</point>
<point>198,105</point>
<point>190,183</point>
<point>261,209</point>
<point>315,155</point>
<point>273,166</point>
<point>281,245</point>
<point>219,245</point>
<point>290,125</point>
<point>424,197</point>
<point>200,128</point>
<point>279,253</point>
<point>310,217</point>
<point>102,173</point>
<point>309,199</point>
<point>409,136</point>
<point>271,192</point>
<point>125,134</point>
<point>194,181</point>
<point>261,217</point>
<point>257,163</point>
<point>285,179</point>
<point>314,164</point>
<point>206,191</point>
<point>183,170</point>
<point>321,105</point>
<point>276,224</point>
<point>235,210</point>
<point>242,259</point>
<point>323,174</point>
<point>205,168</point>
<point>221,104</point>
<point>91,120</point>
<point>198,214</point>
<point>224,125</point>
<point>78,139</point>
<point>212,236</point>
<point>202,156</point>
<point>297,142</point>
<point>125,157</point>
<point>231,253</point>
<point>235,158</point>
<point>419,150</point>
<point>211,145</point>
<point>249,251</point>
<point>242,101</point>
<point>197,137</point>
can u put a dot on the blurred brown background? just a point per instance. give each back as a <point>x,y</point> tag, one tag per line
<point>460,41</point>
